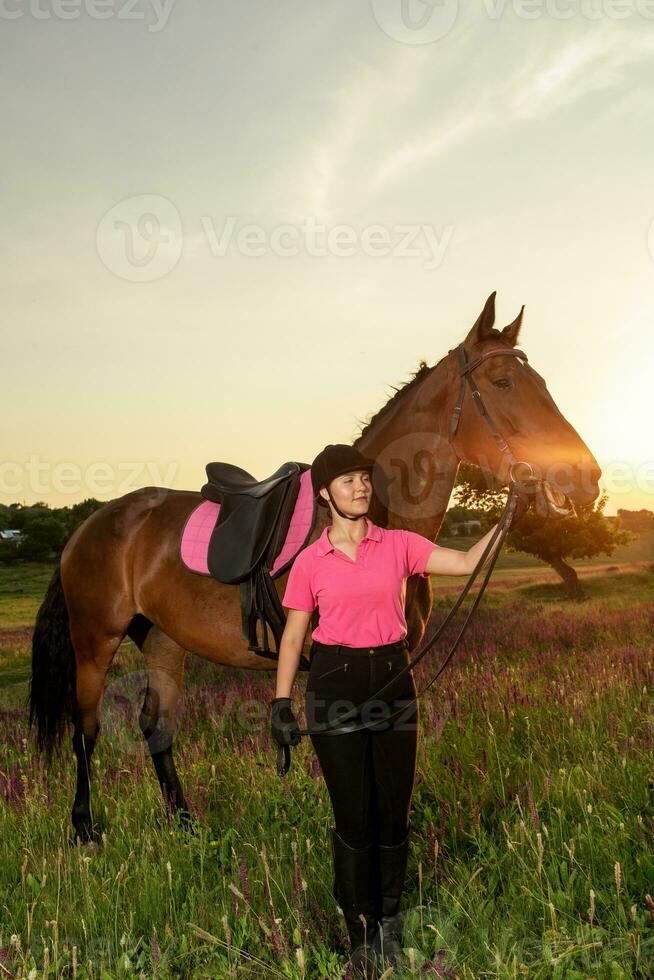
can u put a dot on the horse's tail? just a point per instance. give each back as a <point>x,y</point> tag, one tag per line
<point>52,696</point>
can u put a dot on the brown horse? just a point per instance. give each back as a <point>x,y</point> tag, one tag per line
<point>121,575</point>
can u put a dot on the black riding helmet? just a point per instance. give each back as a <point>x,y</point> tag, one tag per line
<point>334,460</point>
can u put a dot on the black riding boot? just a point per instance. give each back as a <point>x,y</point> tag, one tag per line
<point>392,872</point>
<point>354,892</point>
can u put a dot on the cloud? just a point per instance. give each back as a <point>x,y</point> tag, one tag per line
<point>581,67</point>
<point>364,106</point>
<point>566,74</point>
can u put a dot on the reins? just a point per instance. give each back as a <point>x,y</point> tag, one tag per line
<point>465,373</point>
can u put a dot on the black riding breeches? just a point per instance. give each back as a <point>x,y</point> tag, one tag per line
<point>370,773</point>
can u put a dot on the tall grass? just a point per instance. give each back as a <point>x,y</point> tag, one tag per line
<point>533,814</point>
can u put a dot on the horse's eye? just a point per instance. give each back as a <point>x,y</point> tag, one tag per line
<point>503,383</point>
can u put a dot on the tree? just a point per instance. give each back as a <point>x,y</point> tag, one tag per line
<point>555,542</point>
<point>42,537</point>
<point>44,530</point>
<point>17,515</point>
<point>72,517</point>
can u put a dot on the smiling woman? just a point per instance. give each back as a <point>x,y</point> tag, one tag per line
<point>355,575</point>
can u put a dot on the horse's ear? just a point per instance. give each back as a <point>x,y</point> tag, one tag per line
<point>510,332</point>
<point>484,322</point>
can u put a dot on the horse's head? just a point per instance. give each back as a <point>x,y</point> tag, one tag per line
<point>516,398</point>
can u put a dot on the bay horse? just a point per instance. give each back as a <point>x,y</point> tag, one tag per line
<point>120,573</point>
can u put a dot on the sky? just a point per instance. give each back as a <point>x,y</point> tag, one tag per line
<point>230,230</point>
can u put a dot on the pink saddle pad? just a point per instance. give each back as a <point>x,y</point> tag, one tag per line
<point>202,520</point>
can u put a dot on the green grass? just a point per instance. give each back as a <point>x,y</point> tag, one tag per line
<point>22,587</point>
<point>535,788</point>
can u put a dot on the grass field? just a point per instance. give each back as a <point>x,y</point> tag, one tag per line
<point>533,810</point>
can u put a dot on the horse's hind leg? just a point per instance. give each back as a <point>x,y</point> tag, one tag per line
<point>158,719</point>
<point>83,746</point>
<point>91,675</point>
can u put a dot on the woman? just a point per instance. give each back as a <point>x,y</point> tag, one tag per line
<point>356,572</point>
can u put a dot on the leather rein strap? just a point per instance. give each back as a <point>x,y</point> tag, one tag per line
<point>338,727</point>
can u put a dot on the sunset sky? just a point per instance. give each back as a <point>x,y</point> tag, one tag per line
<point>148,331</point>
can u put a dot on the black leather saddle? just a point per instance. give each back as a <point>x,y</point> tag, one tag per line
<point>249,534</point>
<point>225,478</point>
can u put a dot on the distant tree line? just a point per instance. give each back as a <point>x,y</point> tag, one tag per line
<point>636,520</point>
<point>43,530</point>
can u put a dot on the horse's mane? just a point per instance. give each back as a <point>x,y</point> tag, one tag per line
<point>418,376</point>
<point>423,369</point>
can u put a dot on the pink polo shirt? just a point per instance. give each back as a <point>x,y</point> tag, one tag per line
<point>361,603</point>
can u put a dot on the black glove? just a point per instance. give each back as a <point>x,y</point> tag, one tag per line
<point>284,727</point>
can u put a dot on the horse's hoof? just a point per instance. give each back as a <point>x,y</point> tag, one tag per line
<point>188,822</point>
<point>84,836</point>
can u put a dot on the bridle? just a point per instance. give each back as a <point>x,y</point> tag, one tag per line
<point>466,368</point>
<point>530,482</point>
<point>550,502</point>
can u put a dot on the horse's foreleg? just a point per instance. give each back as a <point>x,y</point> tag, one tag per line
<point>158,718</point>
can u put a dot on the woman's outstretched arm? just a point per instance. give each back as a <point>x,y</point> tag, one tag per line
<point>449,561</point>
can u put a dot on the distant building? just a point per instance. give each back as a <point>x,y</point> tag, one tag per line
<point>464,528</point>
<point>11,535</point>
